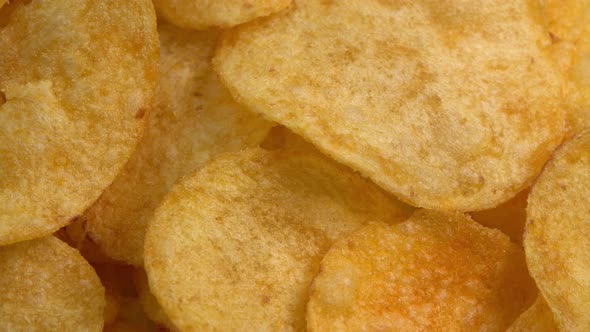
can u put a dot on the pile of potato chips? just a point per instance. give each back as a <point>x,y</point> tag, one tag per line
<point>291,165</point>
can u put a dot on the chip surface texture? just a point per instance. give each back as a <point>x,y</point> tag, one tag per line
<point>76,78</point>
<point>45,285</point>
<point>434,272</point>
<point>449,107</point>
<point>557,234</point>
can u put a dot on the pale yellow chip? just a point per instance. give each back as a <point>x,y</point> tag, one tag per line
<point>569,23</point>
<point>45,285</point>
<point>205,14</point>
<point>509,217</point>
<point>557,234</point>
<point>537,318</point>
<point>76,78</point>
<point>435,272</point>
<point>148,301</point>
<point>195,118</point>
<point>452,107</point>
<point>236,245</point>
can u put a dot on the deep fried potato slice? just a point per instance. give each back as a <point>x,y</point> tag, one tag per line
<point>76,77</point>
<point>148,301</point>
<point>195,118</point>
<point>557,234</point>
<point>236,245</point>
<point>569,23</point>
<point>537,318</point>
<point>205,14</point>
<point>509,217</point>
<point>448,107</point>
<point>434,272</point>
<point>45,285</point>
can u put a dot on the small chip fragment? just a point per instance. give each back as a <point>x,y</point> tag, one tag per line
<point>236,245</point>
<point>435,272</point>
<point>557,234</point>
<point>45,285</point>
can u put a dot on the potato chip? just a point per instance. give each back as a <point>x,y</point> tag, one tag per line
<point>148,301</point>
<point>435,272</point>
<point>453,107</point>
<point>47,286</point>
<point>557,234</point>
<point>205,14</point>
<point>537,318</point>
<point>235,246</point>
<point>76,78</point>
<point>509,217</point>
<point>195,118</point>
<point>569,23</point>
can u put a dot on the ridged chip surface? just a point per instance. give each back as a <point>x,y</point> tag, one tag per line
<point>453,107</point>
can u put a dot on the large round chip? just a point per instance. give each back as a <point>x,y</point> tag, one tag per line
<point>537,318</point>
<point>235,246</point>
<point>452,107</point>
<point>195,118</point>
<point>76,78</point>
<point>45,285</point>
<point>205,14</point>
<point>557,234</point>
<point>434,272</point>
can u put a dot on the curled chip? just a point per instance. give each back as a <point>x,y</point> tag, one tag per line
<point>537,318</point>
<point>45,285</point>
<point>569,24</point>
<point>236,245</point>
<point>195,118</point>
<point>76,77</point>
<point>509,217</point>
<point>205,14</point>
<point>450,107</point>
<point>434,272</point>
<point>557,234</point>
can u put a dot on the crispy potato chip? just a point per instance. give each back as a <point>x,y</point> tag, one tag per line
<point>148,301</point>
<point>434,272</point>
<point>76,78</point>
<point>236,245</point>
<point>557,234</point>
<point>509,217</point>
<point>2,2</point>
<point>569,23</point>
<point>47,286</point>
<point>537,318</point>
<point>449,107</point>
<point>195,118</point>
<point>205,14</point>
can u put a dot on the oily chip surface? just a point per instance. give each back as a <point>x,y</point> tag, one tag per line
<point>453,107</point>
<point>434,272</point>
<point>195,118</point>
<point>537,318</point>
<point>557,234</point>
<point>76,78</point>
<point>205,14</point>
<point>255,225</point>
<point>45,285</point>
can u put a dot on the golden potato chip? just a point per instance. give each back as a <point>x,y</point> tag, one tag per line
<point>47,286</point>
<point>205,14</point>
<point>148,301</point>
<point>537,318</point>
<point>569,23</point>
<point>236,245</point>
<point>453,107</point>
<point>435,272</point>
<point>76,78</point>
<point>557,234</point>
<point>509,217</point>
<point>195,118</point>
